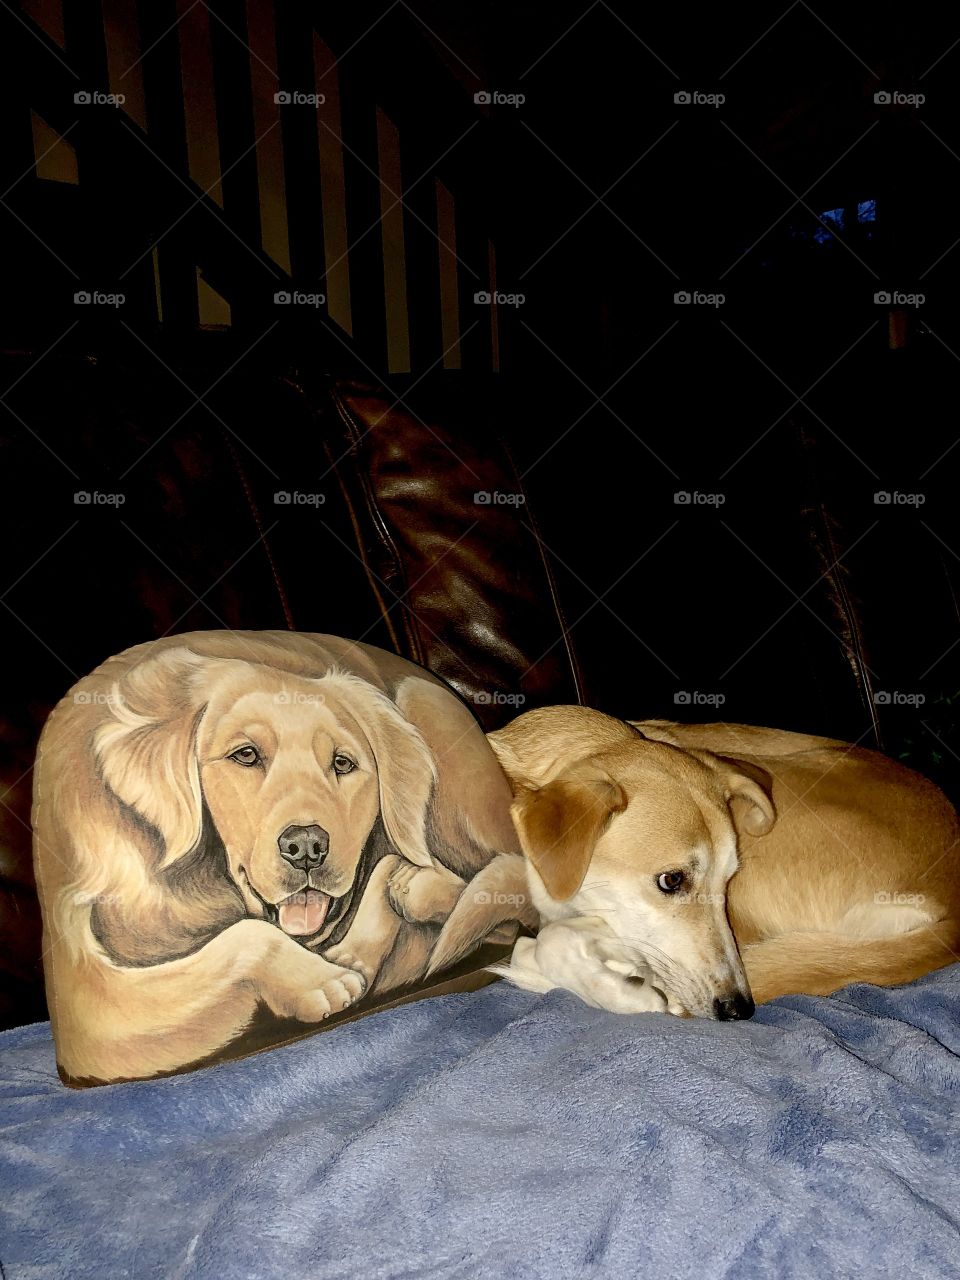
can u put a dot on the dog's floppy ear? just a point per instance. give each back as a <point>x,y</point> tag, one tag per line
<point>405,766</point>
<point>147,749</point>
<point>559,825</point>
<point>747,788</point>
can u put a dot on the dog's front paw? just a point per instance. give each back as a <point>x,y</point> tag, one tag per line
<point>336,993</point>
<point>399,887</point>
<point>676,1008</point>
<point>349,959</point>
<point>638,995</point>
<point>423,895</point>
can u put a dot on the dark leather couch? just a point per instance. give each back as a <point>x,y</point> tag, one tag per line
<point>397,549</point>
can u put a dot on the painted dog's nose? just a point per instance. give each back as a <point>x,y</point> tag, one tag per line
<point>304,847</point>
<point>731,1008</point>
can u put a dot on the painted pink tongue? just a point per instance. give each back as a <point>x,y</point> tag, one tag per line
<point>303,913</point>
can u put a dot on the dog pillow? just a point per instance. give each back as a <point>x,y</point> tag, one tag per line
<point>241,837</point>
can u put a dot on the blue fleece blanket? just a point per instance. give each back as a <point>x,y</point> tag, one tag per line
<point>506,1134</point>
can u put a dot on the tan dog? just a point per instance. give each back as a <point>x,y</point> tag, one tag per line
<point>236,832</point>
<point>646,841</point>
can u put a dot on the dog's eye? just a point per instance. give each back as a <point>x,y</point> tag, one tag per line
<point>343,764</point>
<point>247,756</point>
<point>670,881</point>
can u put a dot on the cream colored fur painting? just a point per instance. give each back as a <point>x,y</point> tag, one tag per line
<point>252,829</point>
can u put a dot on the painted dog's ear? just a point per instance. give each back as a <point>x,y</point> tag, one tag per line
<point>147,749</point>
<point>559,825</point>
<point>470,808</point>
<point>406,769</point>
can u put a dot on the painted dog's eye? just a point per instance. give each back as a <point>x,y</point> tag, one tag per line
<point>247,756</point>
<point>343,764</point>
<point>670,881</point>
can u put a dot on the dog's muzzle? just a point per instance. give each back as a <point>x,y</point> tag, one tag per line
<point>303,913</point>
<point>733,1008</point>
<point>305,848</point>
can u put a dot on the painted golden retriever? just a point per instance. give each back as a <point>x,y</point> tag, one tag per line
<point>226,822</point>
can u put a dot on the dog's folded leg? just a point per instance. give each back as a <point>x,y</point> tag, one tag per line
<point>574,954</point>
<point>620,959</point>
<point>132,1022</point>
<point>522,968</point>
<point>820,963</point>
<point>398,901</point>
<point>373,931</point>
<point>424,895</point>
<point>497,894</point>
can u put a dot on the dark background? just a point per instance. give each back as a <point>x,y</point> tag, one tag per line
<point>792,403</point>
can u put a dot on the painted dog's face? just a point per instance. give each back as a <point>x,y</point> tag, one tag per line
<point>291,782</point>
<point>292,772</point>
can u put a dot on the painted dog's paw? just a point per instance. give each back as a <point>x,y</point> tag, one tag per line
<point>336,993</point>
<point>348,959</point>
<point>423,895</point>
<point>398,890</point>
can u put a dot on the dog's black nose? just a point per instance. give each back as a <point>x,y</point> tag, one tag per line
<point>304,847</point>
<point>732,1008</point>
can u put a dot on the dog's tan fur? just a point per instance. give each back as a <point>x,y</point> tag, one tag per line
<point>158,954</point>
<point>849,865</point>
